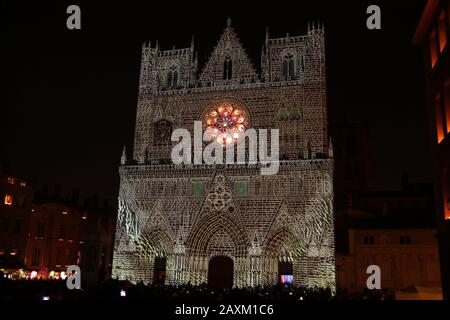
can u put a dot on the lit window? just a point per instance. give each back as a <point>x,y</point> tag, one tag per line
<point>8,200</point>
<point>442,32</point>
<point>446,192</point>
<point>64,212</point>
<point>433,48</point>
<point>23,184</point>
<point>439,122</point>
<point>11,180</point>
<point>447,103</point>
<point>226,123</point>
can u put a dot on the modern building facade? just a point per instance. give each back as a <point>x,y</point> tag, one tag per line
<point>433,34</point>
<point>201,223</point>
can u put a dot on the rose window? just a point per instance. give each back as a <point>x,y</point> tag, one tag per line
<point>227,122</point>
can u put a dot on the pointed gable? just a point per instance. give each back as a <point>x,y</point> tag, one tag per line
<point>229,63</point>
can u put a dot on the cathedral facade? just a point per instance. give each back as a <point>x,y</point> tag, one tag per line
<point>200,223</point>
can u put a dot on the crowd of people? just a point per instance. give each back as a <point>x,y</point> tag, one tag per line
<point>118,290</point>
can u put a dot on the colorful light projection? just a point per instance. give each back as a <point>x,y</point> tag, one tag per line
<point>228,122</point>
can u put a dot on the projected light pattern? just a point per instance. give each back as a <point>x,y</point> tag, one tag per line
<point>174,220</point>
<point>227,122</point>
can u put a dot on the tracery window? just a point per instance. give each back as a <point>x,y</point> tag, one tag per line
<point>227,121</point>
<point>288,67</point>
<point>172,77</point>
<point>227,69</point>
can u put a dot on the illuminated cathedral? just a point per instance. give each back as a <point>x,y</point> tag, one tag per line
<point>228,225</point>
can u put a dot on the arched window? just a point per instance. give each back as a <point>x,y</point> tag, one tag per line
<point>288,68</point>
<point>172,77</point>
<point>227,69</point>
<point>163,132</point>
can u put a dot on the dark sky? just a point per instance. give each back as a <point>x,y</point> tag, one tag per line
<point>71,95</point>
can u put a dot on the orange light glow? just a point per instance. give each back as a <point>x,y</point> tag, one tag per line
<point>447,103</point>
<point>8,200</point>
<point>433,49</point>
<point>439,122</point>
<point>442,32</point>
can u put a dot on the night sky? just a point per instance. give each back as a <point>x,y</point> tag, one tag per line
<point>72,95</point>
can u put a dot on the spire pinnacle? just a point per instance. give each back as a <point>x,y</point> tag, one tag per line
<point>330,149</point>
<point>229,22</point>
<point>123,158</point>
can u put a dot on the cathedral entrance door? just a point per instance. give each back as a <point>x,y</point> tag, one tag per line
<point>220,272</point>
<point>159,270</point>
<point>285,272</point>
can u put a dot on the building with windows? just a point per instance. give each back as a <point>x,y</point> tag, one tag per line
<point>407,256</point>
<point>433,32</point>
<point>62,233</point>
<point>228,225</point>
<point>16,197</point>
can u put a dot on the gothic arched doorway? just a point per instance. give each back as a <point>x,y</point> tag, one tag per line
<point>220,272</point>
<point>285,272</point>
<point>159,271</point>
